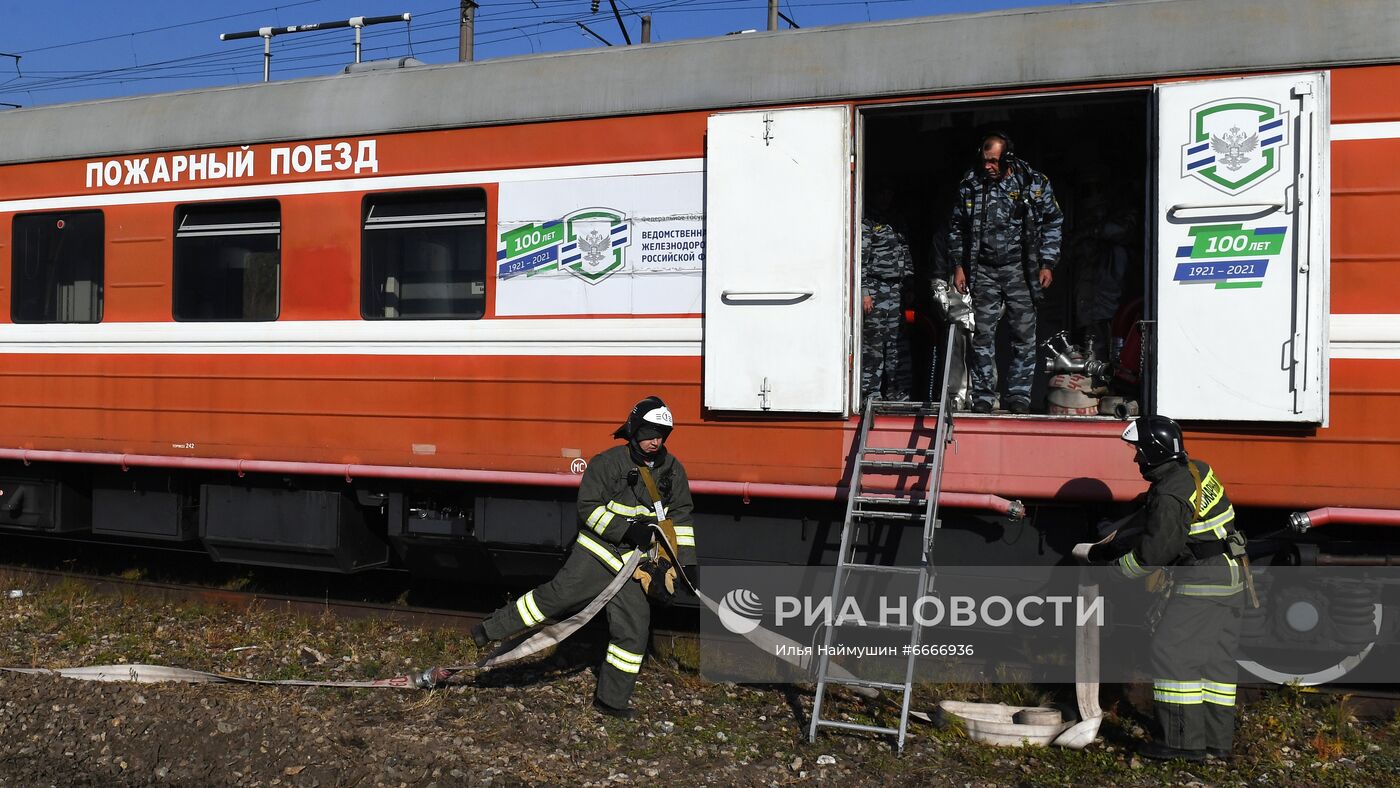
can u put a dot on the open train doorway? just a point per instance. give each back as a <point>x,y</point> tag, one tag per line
<point>1095,150</point>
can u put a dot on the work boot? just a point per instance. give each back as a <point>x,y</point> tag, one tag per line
<point>479,636</point>
<point>1161,752</point>
<point>1219,754</point>
<point>613,711</point>
<point>981,406</point>
<point>1019,406</point>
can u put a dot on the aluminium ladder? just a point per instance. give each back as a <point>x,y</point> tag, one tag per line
<point>864,510</point>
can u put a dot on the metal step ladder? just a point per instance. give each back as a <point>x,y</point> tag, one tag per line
<point>867,510</point>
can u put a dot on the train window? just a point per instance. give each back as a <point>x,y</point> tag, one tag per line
<point>56,268</point>
<point>424,255</point>
<point>228,260</point>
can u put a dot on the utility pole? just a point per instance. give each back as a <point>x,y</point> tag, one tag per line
<point>772,14</point>
<point>466,38</point>
<point>646,28</point>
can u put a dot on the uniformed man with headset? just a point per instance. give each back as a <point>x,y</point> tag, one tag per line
<point>1003,244</point>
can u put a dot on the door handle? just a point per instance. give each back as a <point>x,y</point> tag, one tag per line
<point>1198,214</point>
<point>1286,355</point>
<point>763,297</point>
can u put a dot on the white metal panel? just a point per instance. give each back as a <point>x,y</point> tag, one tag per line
<point>1241,270</point>
<point>777,260</point>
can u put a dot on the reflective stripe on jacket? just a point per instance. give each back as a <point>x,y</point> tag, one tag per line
<point>1177,515</point>
<point>612,493</point>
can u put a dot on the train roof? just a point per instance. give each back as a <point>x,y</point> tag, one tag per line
<point>1035,47</point>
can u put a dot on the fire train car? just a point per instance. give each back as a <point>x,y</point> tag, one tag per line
<point>384,318</point>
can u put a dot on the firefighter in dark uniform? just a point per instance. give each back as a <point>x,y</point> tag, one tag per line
<point>1003,243</point>
<point>616,516</point>
<point>1187,525</point>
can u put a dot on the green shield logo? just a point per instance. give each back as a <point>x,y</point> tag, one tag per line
<point>595,242</point>
<point>1235,143</point>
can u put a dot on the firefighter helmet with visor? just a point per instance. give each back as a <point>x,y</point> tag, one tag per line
<point>1158,440</point>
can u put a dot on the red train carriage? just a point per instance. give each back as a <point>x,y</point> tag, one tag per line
<point>382,318</point>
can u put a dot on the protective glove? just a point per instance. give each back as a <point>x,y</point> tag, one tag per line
<point>638,534</point>
<point>1155,582</point>
<point>658,579</point>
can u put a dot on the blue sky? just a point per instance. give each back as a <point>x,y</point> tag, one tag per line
<point>73,50</point>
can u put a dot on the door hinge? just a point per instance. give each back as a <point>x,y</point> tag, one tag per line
<point>767,130</point>
<point>764,390</point>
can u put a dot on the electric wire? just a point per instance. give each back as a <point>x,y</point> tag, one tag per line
<point>315,52</point>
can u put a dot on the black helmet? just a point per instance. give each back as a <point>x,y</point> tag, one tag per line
<point>649,418</point>
<point>1158,440</point>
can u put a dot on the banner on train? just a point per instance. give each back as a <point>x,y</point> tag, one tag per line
<point>628,244</point>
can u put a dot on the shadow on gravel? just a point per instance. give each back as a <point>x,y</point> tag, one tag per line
<point>794,698</point>
<point>584,651</point>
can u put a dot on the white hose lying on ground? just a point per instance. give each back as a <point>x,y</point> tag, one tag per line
<point>1075,735</point>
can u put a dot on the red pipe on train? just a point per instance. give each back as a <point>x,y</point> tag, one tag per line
<point>745,490</point>
<point>1302,521</point>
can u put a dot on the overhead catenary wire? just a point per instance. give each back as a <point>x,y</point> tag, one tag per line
<point>200,64</point>
<point>497,23</point>
<point>161,28</point>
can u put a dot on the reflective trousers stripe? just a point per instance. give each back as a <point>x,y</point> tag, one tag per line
<point>528,610</point>
<point>1218,693</point>
<point>624,660</point>
<point>1186,693</point>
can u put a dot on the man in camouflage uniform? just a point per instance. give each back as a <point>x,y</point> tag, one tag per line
<point>1004,242</point>
<point>885,262</point>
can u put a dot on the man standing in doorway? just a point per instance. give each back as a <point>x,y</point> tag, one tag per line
<point>1004,242</point>
<point>885,264</point>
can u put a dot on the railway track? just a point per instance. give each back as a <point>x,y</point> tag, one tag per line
<point>460,620</point>
<point>1362,701</point>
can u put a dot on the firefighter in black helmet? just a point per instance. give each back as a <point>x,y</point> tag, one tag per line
<point>1187,528</point>
<point>625,493</point>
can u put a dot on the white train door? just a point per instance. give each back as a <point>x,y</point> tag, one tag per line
<point>777,261</point>
<point>1242,252</point>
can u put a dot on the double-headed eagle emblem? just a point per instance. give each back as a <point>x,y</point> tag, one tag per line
<point>594,245</point>
<point>1231,147</point>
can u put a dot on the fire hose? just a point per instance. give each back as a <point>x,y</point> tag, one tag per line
<point>519,647</point>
